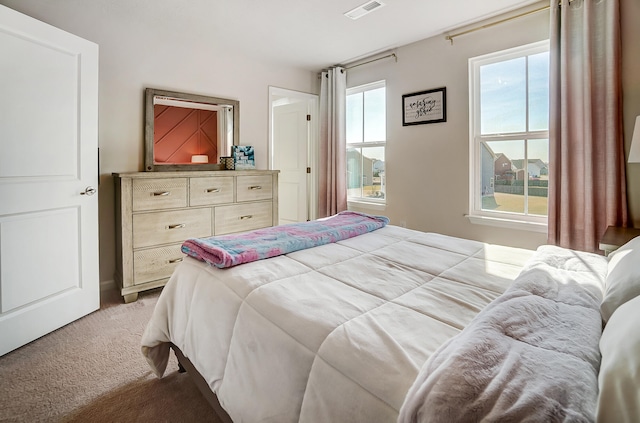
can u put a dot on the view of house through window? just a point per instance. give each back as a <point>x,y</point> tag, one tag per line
<point>366,139</point>
<point>510,133</point>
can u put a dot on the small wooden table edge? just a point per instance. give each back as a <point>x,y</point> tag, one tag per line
<point>615,237</point>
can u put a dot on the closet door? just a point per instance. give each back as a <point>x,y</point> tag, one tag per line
<point>48,179</point>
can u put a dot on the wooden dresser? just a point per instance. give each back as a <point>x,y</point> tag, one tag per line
<point>157,211</point>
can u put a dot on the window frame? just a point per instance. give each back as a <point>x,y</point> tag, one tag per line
<point>365,144</point>
<point>476,214</point>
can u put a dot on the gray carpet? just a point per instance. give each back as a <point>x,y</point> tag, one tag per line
<point>92,371</point>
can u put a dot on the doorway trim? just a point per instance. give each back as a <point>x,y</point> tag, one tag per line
<point>312,100</point>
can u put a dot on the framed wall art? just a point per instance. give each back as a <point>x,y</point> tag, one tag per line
<point>428,106</point>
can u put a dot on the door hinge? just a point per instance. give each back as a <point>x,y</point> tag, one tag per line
<point>308,170</point>
<point>308,117</point>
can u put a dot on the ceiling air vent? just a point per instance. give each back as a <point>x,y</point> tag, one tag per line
<point>363,9</point>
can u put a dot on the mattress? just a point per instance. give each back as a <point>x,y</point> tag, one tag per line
<point>337,332</point>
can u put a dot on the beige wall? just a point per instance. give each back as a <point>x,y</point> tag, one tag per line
<point>630,10</point>
<point>180,54</point>
<point>427,166</point>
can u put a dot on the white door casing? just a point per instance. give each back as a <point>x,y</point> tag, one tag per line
<point>293,146</point>
<point>48,179</point>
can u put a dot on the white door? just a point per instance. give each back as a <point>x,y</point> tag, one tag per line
<point>48,178</point>
<point>292,147</point>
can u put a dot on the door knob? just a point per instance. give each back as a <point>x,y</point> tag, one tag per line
<point>89,191</point>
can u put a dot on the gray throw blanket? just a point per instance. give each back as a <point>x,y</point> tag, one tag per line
<point>531,356</point>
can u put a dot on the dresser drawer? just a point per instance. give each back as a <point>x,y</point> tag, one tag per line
<point>155,263</point>
<point>208,191</point>
<point>161,193</point>
<point>243,217</point>
<point>254,188</point>
<point>151,229</point>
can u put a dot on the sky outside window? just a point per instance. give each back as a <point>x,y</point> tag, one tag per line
<point>503,101</point>
<point>375,127</point>
<point>354,117</point>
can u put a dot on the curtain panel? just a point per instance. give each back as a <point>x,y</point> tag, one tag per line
<point>587,192</point>
<point>332,189</point>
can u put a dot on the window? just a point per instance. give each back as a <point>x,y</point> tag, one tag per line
<point>509,136</point>
<point>366,124</point>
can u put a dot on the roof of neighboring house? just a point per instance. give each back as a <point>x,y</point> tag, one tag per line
<point>519,163</point>
<point>486,147</point>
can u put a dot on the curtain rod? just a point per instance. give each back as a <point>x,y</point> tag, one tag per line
<point>521,15</point>
<point>374,60</point>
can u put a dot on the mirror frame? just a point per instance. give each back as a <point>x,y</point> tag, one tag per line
<point>149,162</point>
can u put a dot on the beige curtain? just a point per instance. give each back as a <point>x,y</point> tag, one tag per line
<point>332,175</point>
<point>587,170</point>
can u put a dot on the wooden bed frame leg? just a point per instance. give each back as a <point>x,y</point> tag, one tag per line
<point>201,383</point>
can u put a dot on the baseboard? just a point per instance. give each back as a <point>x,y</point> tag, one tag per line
<point>109,285</point>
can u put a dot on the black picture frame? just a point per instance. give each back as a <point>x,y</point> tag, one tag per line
<point>429,106</point>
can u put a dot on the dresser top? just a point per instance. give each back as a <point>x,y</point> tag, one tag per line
<point>193,173</point>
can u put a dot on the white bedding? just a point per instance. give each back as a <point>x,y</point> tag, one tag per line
<point>530,356</point>
<point>328,334</point>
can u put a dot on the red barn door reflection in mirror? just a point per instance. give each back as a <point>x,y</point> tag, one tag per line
<point>183,132</point>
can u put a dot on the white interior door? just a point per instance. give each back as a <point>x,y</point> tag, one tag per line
<point>292,152</point>
<point>290,158</point>
<point>48,177</point>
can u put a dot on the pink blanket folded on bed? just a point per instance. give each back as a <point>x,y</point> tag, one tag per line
<point>231,250</point>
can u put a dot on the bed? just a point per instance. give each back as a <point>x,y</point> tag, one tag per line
<point>398,325</point>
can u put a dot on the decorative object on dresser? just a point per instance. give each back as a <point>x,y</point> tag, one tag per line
<point>188,131</point>
<point>227,161</point>
<point>243,157</point>
<point>156,212</point>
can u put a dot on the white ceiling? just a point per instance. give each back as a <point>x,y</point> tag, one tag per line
<point>311,34</point>
<point>315,34</point>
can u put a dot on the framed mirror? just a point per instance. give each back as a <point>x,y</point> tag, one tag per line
<point>188,131</point>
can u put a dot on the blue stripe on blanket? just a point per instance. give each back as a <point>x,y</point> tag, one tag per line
<point>230,250</point>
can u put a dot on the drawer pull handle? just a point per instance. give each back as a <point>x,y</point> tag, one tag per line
<point>246,217</point>
<point>255,187</point>
<point>178,226</point>
<point>213,190</point>
<point>178,260</point>
<point>161,193</point>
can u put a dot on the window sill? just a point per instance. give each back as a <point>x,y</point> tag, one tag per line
<point>366,205</point>
<point>508,223</point>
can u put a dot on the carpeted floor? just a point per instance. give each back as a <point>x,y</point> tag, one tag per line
<point>92,371</point>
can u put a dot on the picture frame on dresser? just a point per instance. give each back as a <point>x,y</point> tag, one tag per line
<point>157,211</point>
<point>243,157</point>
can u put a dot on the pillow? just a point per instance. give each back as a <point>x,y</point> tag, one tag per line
<point>623,277</point>
<point>619,378</point>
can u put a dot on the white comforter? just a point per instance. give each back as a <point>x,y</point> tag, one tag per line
<point>530,356</point>
<point>335,333</point>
